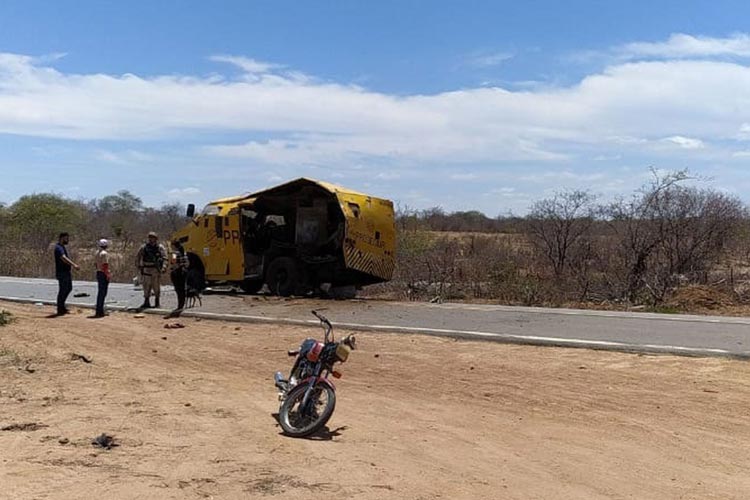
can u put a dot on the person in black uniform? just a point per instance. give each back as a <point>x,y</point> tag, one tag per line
<point>63,272</point>
<point>180,264</point>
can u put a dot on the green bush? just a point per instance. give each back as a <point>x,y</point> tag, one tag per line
<point>5,317</point>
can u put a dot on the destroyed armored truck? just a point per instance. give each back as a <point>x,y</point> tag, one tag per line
<point>298,238</point>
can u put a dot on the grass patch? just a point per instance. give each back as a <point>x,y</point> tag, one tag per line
<point>9,357</point>
<point>5,317</point>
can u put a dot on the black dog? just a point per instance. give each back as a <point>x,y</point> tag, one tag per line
<point>191,297</point>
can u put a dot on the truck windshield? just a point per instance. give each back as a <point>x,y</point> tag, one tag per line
<point>211,210</point>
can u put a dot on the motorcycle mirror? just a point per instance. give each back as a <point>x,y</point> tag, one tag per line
<point>351,341</point>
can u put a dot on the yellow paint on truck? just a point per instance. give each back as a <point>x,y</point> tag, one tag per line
<point>320,233</point>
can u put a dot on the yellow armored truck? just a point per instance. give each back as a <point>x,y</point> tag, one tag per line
<point>298,238</point>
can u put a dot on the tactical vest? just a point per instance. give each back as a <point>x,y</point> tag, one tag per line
<point>151,256</point>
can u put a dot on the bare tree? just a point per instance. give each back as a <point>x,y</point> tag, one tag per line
<point>695,227</point>
<point>559,226</point>
<point>637,225</point>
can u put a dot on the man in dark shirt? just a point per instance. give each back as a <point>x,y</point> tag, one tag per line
<point>63,272</point>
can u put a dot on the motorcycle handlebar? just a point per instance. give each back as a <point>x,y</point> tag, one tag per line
<point>322,318</point>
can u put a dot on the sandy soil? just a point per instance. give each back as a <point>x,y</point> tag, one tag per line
<point>417,417</point>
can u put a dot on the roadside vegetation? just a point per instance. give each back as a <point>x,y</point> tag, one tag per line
<point>5,317</point>
<point>30,227</point>
<point>672,245</point>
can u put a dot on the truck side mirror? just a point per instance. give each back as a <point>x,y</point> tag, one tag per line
<point>190,210</point>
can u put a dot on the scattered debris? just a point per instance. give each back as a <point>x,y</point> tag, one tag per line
<point>80,357</point>
<point>174,325</point>
<point>139,315</point>
<point>30,426</point>
<point>105,441</point>
<point>81,294</point>
<point>711,391</point>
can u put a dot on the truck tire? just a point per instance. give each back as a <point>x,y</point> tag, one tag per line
<point>251,285</point>
<point>283,276</point>
<point>344,292</point>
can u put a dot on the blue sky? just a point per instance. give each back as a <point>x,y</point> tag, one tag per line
<point>465,105</point>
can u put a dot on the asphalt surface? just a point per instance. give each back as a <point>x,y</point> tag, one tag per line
<point>623,331</point>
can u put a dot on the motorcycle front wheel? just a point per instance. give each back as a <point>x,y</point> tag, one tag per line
<point>297,421</point>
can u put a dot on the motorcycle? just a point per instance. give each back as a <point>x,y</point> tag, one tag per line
<point>308,397</point>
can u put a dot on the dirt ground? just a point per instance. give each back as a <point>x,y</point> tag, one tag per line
<point>417,417</point>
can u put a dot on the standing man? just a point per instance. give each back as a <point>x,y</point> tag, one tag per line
<point>180,264</point>
<point>103,276</point>
<point>63,272</point>
<point>151,261</point>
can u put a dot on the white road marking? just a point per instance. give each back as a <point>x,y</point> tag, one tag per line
<point>511,338</point>
<point>731,320</point>
<point>636,315</point>
<point>52,282</point>
<point>528,339</point>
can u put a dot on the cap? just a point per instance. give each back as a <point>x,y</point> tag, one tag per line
<point>152,234</point>
<point>102,243</point>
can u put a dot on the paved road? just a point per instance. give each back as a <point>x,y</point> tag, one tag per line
<point>640,332</point>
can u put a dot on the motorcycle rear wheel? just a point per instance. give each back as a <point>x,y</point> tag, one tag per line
<point>298,423</point>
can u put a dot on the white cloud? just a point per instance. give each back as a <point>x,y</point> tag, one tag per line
<point>636,106</point>
<point>684,142</point>
<point>744,133</point>
<point>607,157</point>
<point>247,64</point>
<point>387,176</point>
<point>463,177</point>
<point>121,157</point>
<point>563,176</point>
<point>183,193</point>
<point>680,45</point>
<point>488,60</point>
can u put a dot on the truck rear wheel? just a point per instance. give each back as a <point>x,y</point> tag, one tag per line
<point>344,292</point>
<point>283,276</point>
<point>251,285</point>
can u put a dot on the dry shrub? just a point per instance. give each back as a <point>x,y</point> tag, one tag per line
<point>5,317</point>
<point>698,297</point>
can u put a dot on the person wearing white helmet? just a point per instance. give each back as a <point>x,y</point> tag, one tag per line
<point>103,276</point>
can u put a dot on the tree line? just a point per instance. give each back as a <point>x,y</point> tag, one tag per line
<point>31,224</point>
<point>570,248</point>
